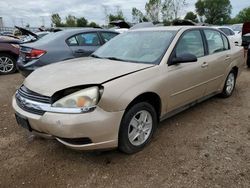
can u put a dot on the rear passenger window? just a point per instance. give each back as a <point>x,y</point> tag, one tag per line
<point>226,43</point>
<point>84,39</point>
<point>214,40</point>
<point>191,43</point>
<point>231,32</point>
<point>226,31</point>
<point>108,36</point>
<point>72,41</point>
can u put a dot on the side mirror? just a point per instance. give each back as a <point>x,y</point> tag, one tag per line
<point>184,58</point>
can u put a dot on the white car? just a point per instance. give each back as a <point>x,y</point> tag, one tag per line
<point>235,37</point>
<point>237,28</point>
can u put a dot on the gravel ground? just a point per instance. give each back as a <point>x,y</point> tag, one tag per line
<point>205,146</point>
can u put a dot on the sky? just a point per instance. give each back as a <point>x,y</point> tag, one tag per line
<point>38,12</point>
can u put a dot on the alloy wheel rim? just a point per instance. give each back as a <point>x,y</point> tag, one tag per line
<point>6,64</point>
<point>140,128</point>
<point>230,83</point>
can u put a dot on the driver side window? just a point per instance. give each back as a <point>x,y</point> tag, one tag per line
<point>191,43</point>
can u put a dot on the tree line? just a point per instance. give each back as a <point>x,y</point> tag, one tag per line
<point>216,12</point>
<point>71,21</point>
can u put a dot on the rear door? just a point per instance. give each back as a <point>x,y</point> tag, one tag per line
<point>218,59</point>
<point>84,44</point>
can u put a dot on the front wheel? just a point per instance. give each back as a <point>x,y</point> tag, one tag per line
<point>137,127</point>
<point>229,85</point>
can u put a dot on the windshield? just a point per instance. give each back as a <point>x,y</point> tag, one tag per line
<point>138,46</point>
<point>237,27</point>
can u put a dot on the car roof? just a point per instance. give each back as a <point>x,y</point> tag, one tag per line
<point>217,27</point>
<point>64,34</point>
<point>87,29</point>
<point>170,28</point>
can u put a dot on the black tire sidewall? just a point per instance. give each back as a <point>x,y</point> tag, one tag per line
<point>13,60</point>
<point>123,142</point>
<point>225,94</point>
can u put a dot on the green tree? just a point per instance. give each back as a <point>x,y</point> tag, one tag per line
<point>138,16</point>
<point>200,7</point>
<point>191,16</point>
<point>177,6</point>
<point>71,21</point>
<point>153,8</point>
<point>56,20</point>
<point>215,11</point>
<point>244,15</point>
<point>93,24</point>
<point>167,11</point>
<point>117,16</point>
<point>81,22</point>
<point>171,9</point>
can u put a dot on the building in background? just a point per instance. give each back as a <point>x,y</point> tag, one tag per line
<point>1,21</point>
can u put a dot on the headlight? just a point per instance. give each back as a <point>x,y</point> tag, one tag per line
<point>86,98</point>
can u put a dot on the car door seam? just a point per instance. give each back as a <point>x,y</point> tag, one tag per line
<point>190,88</point>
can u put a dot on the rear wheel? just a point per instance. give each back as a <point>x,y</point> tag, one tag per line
<point>137,127</point>
<point>229,85</point>
<point>7,64</point>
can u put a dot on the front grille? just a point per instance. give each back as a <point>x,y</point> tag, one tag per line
<point>28,94</point>
<point>24,93</point>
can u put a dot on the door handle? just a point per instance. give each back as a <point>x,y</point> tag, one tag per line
<point>227,58</point>
<point>204,65</point>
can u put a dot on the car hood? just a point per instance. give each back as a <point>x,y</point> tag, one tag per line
<point>77,72</point>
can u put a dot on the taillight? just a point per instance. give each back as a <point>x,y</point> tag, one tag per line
<point>35,53</point>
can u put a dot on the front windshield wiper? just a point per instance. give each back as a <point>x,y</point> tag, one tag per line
<point>110,58</point>
<point>115,58</point>
<point>95,56</point>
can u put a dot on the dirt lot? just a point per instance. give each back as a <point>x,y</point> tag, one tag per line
<point>206,146</point>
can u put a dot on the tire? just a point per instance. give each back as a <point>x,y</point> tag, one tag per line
<point>229,86</point>
<point>7,64</point>
<point>132,126</point>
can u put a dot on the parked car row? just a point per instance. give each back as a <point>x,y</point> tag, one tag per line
<point>42,48</point>
<point>60,46</point>
<point>235,37</point>
<point>10,45</point>
<point>34,53</point>
<point>116,97</point>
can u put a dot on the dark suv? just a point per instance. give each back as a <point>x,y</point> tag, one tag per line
<point>246,40</point>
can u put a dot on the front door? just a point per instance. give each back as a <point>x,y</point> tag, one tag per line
<point>186,81</point>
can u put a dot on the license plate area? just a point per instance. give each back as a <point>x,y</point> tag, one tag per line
<point>23,122</point>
